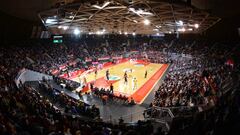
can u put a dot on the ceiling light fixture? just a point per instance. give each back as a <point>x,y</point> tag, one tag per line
<point>76,31</point>
<point>146,22</point>
<point>181,29</point>
<point>98,33</point>
<point>65,27</point>
<point>196,25</point>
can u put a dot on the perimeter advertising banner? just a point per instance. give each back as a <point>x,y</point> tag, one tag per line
<point>103,59</point>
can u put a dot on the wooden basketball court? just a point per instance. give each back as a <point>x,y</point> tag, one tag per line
<point>138,88</point>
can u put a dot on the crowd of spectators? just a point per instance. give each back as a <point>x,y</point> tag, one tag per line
<point>69,105</point>
<point>195,77</point>
<point>107,94</point>
<point>24,111</point>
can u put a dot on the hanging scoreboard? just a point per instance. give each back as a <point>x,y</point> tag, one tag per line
<point>57,39</point>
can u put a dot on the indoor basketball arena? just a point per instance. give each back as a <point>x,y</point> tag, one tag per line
<point>119,67</point>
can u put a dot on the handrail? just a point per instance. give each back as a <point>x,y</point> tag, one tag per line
<point>125,117</point>
<point>165,123</point>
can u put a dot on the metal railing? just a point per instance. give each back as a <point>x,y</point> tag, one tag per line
<point>129,118</point>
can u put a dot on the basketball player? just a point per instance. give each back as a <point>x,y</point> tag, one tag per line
<point>84,80</point>
<point>95,72</point>
<point>130,61</point>
<point>68,74</point>
<point>107,75</point>
<point>134,83</point>
<point>125,78</point>
<point>111,88</point>
<point>145,76</point>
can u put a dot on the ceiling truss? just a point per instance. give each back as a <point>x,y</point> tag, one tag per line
<point>116,16</point>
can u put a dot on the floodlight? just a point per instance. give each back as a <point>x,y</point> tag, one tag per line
<point>146,22</point>
<point>76,31</point>
<point>196,25</point>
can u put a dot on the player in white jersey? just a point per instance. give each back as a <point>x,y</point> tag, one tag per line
<point>134,83</point>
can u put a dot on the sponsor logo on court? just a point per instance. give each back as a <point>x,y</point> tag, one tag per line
<point>113,78</point>
<point>138,65</point>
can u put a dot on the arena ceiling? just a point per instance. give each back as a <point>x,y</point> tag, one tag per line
<point>126,16</point>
